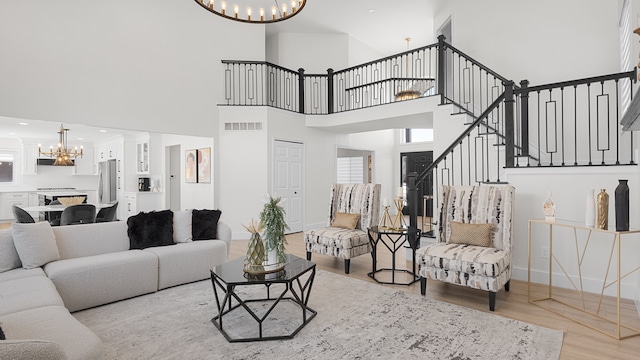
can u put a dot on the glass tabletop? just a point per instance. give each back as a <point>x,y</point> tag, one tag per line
<point>232,274</point>
<point>401,231</point>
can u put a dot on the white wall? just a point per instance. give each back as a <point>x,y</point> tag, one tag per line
<point>121,64</point>
<point>569,189</point>
<point>192,195</point>
<point>320,161</point>
<point>386,164</point>
<point>542,41</point>
<point>313,52</point>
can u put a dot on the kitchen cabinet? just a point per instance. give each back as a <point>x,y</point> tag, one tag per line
<point>136,202</point>
<point>86,165</point>
<point>8,199</point>
<point>142,157</point>
<point>130,202</point>
<point>109,150</point>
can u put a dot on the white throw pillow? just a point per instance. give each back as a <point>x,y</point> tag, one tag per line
<point>9,258</point>
<point>182,226</point>
<point>35,243</point>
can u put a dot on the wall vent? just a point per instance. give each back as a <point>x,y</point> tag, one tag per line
<point>242,126</point>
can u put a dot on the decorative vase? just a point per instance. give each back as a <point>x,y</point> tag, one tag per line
<point>590,209</point>
<point>549,209</point>
<point>622,206</point>
<point>255,255</point>
<point>603,210</point>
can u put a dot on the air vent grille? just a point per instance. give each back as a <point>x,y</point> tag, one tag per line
<point>243,126</point>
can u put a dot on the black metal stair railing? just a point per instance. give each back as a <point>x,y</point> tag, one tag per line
<point>406,75</point>
<point>259,83</point>
<point>576,123</point>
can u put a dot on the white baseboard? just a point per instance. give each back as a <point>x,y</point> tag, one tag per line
<point>315,226</point>
<point>627,291</point>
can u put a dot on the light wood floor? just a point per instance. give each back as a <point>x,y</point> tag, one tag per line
<point>580,342</point>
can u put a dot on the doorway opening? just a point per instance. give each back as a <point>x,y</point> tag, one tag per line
<point>173,166</point>
<point>354,166</point>
<point>418,162</point>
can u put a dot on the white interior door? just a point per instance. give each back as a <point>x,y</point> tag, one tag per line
<point>288,181</point>
<point>173,182</point>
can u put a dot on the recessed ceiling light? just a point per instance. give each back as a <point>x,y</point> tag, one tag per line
<point>80,138</point>
<point>371,10</point>
<point>12,133</point>
<point>23,123</point>
<point>103,130</point>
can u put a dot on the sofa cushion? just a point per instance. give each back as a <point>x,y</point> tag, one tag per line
<point>467,259</point>
<point>205,224</point>
<point>337,237</point>
<point>154,228</point>
<point>185,263</point>
<point>21,273</point>
<point>91,239</point>
<point>96,280</point>
<point>476,281</point>
<point>9,258</point>
<point>182,229</point>
<point>35,244</point>
<point>470,234</point>
<point>31,349</point>
<point>28,293</point>
<point>55,324</point>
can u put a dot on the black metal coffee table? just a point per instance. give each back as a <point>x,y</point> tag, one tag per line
<point>238,306</point>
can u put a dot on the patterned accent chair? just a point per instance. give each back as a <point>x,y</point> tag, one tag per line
<point>363,199</point>
<point>452,259</point>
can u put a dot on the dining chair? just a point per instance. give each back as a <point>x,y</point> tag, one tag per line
<point>108,213</point>
<point>78,214</point>
<point>54,216</point>
<point>21,215</point>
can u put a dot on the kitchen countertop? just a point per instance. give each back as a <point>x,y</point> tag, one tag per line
<point>61,193</point>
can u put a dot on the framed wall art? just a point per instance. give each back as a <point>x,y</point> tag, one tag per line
<point>190,166</point>
<point>204,165</point>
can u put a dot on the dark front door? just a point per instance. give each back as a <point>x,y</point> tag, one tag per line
<point>417,162</point>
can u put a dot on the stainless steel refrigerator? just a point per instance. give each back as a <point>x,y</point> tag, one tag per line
<point>107,181</point>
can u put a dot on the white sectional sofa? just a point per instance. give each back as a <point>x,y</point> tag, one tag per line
<point>94,267</point>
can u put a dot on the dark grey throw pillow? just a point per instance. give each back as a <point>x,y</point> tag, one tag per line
<point>204,224</point>
<point>150,229</point>
<point>2,337</point>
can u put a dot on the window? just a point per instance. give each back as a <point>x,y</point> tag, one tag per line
<point>350,170</point>
<point>418,135</point>
<point>7,164</point>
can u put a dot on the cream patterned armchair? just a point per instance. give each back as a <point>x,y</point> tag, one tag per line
<point>475,239</point>
<point>346,242</point>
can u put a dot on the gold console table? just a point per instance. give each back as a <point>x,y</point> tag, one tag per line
<point>593,310</point>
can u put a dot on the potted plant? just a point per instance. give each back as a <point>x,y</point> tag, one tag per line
<point>272,220</point>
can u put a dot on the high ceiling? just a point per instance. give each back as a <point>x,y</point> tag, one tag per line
<point>380,25</point>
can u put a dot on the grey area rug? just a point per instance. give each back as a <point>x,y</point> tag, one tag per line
<point>356,320</point>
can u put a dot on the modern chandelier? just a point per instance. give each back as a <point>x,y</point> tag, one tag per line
<point>62,154</point>
<point>254,11</point>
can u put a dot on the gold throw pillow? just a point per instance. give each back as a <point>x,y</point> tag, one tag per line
<point>470,234</point>
<point>345,220</point>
